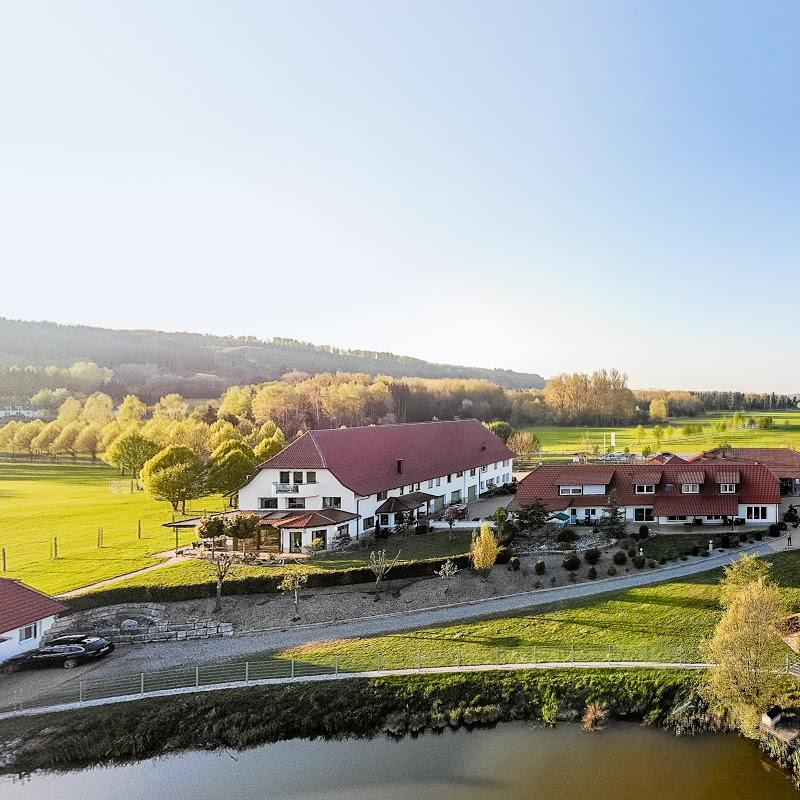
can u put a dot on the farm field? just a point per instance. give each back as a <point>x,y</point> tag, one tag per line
<point>40,501</point>
<point>662,622</point>
<point>564,439</point>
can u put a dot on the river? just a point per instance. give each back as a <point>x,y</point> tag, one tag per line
<point>513,761</point>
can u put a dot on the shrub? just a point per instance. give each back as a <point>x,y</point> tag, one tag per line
<point>567,535</point>
<point>571,562</point>
<point>540,568</point>
<point>742,537</point>
<point>773,530</point>
<point>639,562</point>
<point>662,560</point>
<point>513,563</point>
<point>612,571</point>
<point>725,541</point>
<point>632,551</point>
<point>592,573</point>
<point>695,551</point>
<point>620,558</point>
<point>644,531</point>
<point>758,536</point>
<point>652,564</point>
<point>572,577</point>
<point>705,553</point>
<point>592,555</point>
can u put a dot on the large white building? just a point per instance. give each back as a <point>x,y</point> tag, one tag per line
<point>349,479</point>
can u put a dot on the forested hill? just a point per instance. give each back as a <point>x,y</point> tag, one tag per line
<point>243,359</point>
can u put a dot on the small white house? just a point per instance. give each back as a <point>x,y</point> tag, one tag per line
<point>20,412</point>
<point>25,616</point>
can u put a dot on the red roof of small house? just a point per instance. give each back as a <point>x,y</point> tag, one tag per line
<point>783,456</point>
<point>313,519</point>
<point>366,459</point>
<point>20,605</point>
<point>756,484</point>
<point>666,458</point>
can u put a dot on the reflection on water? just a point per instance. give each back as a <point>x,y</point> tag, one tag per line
<point>510,762</point>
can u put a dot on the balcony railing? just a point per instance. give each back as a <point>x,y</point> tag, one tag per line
<point>286,488</point>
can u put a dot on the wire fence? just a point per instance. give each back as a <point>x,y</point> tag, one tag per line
<point>350,662</point>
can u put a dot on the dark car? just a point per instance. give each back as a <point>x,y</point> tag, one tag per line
<point>64,651</point>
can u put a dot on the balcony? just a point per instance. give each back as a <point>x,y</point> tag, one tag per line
<point>286,488</point>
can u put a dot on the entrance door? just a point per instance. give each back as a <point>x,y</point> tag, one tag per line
<point>296,542</point>
<point>472,494</point>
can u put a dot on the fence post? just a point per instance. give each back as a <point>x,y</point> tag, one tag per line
<point>246,671</point>
<point>292,674</point>
<point>336,666</point>
<point>5,565</point>
<point>139,529</point>
<point>609,654</point>
<point>458,658</point>
<point>141,684</point>
<point>534,654</point>
<point>197,676</point>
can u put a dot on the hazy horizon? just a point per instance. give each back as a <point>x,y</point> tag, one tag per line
<point>546,188</point>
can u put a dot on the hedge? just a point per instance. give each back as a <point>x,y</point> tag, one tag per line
<point>268,584</point>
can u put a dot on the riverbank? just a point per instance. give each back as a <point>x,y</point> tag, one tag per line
<point>361,708</point>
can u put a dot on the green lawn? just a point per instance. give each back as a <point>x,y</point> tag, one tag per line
<point>40,501</point>
<point>662,622</point>
<point>562,439</point>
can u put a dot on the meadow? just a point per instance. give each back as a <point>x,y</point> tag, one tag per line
<point>563,439</point>
<point>40,502</point>
<point>664,622</point>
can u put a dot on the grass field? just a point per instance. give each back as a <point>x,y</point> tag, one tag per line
<point>562,439</point>
<point>666,621</point>
<point>39,502</point>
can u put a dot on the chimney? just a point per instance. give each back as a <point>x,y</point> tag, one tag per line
<point>399,466</point>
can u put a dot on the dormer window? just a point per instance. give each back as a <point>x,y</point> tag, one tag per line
<point>570,490</point>
<point>691,488</point>
<point>645,488</point>
<point>727,488</point>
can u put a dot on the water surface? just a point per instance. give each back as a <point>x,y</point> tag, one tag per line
<point>511,762</point>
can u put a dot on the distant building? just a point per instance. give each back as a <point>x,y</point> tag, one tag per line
<point>20,412</point>
<point>25,616</point>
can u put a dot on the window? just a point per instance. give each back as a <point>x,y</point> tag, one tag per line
<point>284,477</point>
<point>589,512</point>
<point>570,490</point>
<point>267,502</point>
<point>449,478</point>
<point>472,473</point>
<point>311,477</point>
<point>416,487</point>
<point>342,529</point>
<point>756,512</point>
<point>381,495</point>
<point>643,514</point>
<point>483,486</point>
<point>369,523</point>
<point>331,502</point>
<point>676,519</point>
<point>438,481</point>
<point>727,488</point>
<point>691,488</point>
<point>712,517</point>
<point>297,477</point>
<point>29,632</point>
<point>460,474</point>
<point>430,483</point>
<point>384,518</point>
<point>484,468</point>
<point>573,512</point>
<point>316,536</point>
<point>295,502</point>
<point>455,496</point>
<point>645,488</point>
<point>505,462</point>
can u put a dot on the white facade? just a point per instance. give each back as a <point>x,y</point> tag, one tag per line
<point>317,489</point>
<point>21,640</point>
<point>20,412</point>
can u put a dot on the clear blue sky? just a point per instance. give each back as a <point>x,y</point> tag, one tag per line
<point>544,186</point>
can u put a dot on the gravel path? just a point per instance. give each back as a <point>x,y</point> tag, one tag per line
<point>21,687</point>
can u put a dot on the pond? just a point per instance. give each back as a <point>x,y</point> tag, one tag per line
<point>511,762</point>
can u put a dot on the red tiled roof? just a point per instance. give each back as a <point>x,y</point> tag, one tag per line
<point>315,519</point>
<point>730,476</point>
<point>692,505</point>
<point>20,605</point>
<point>756,484</point>
<point>585,474</point>
<point>666,458</point>
<point>751,455</point>
<point>365,459</point>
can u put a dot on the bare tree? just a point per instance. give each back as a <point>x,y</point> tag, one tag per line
<point>447,570</point>
<point>293,582</point>
<point>380,567</point>
<point>450,517</point>
<point>221,563</point>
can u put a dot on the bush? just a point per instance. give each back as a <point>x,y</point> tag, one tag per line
<point>644,531</point>
<point>758,536</point>
<point>571,562</point>
<point>725,541</point>
<point>567,535</point>
<point>620,558</point>
<point>652,564</point>
<point>592,573</point>
<point>742,537</point>
<point>662,560</point>
<point>639,562</point>
<point>591,556</point>
<point>513,563</point>
<point>773,530</point>
<point>632,551</point>
<point>612,571</point>
<point>695,551</point>
<point>705,553</point>
<point>540,568</point>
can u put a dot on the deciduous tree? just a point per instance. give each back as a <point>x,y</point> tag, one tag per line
<point>130,451</point>
<point>484,550</point>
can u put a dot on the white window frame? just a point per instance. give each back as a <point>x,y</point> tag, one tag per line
<point>727,488</point>
<point>690,488</point>
<point>566,490</point>
<point>645,488</point>
<point>28,632</point>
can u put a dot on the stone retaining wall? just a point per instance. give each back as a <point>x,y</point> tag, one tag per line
<point>138,623</point>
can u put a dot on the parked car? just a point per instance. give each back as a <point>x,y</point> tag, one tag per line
<point>63,651</point>
<point>458,510</point>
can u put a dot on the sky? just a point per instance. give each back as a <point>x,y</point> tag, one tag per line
<point>542,186</point>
